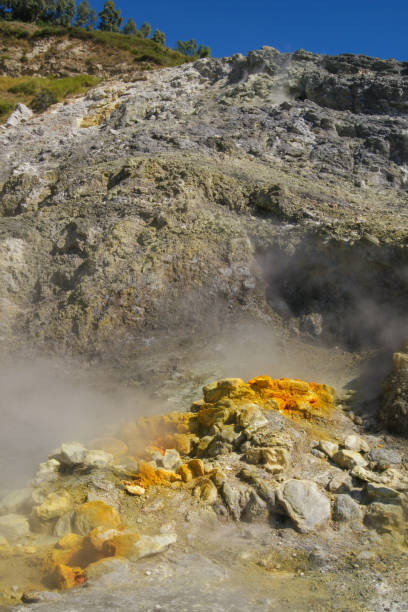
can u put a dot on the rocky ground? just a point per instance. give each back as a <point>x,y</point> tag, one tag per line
<point>230,217</point>
<point>253,488</point>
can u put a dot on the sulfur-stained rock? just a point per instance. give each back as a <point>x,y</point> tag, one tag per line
<point>134,489</point>
<point>221,388</point>
<point>95,514</point>
<point>54,506</point>
<point>203,445</point>
<point>65,577</point>
<point>69,541</point>
<point>100,535</point>
<point>197,467</point>
<point>14,526</point>
<point>206,491</point>
<point>251,417</point>
<point>349,459</point>
<point>185,472</point>
<point>366,475</point>
<point>218,447</point>
<point>385,518</point>
<point>275,459</point>
<point>304,503</point>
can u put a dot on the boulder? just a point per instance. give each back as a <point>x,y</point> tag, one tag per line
<point>304,503</point>
<point>171,459</point>
<point>70,454</point>
<point>348,459</point>
<point>346,509</point>
<point>255,510</point>
<point>14,526</point>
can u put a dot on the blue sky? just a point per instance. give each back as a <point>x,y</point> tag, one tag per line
<point>376,28</point>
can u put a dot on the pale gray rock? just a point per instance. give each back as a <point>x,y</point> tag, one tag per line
<point>14,526</point>
<point>304,503</point>
<point>47,472</point>
<point>328,448</point>
<point>20,114</point>
<point>255,510</point>
<point>152,545</point>
<point>70,454</point>
<point>97,459</point>
<point>356,443</point>
<point>171,459</point>
<point>385,458</point>
<point>346,509</point>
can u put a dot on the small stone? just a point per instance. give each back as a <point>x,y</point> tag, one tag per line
<point>14,526</point>
<point>54,506</point>
<point>231,499</point>
<point>304,503</point>
<point>346,509</point>
<point>356,443</point>
<point>328,448</point>
<point>349,459</point>
<point>134,489</point>
<point>39,596</point>
<point>340,483</point>
<point>185,473</point>
<point>217,448</point>
<point>171,459</point>
<point>70,454</point>
<point>151,545</point>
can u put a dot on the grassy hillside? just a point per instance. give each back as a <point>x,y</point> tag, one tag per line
<point>39,78</point>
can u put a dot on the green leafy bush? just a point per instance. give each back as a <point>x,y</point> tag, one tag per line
<point>5,107</point>
<point>42,100</point>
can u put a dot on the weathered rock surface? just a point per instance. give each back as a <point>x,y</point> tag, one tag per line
<point>394,408</point>
<point>192,182</point>
<point>305,504</point>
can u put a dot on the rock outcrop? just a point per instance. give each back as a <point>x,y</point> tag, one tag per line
<point>394,408</point>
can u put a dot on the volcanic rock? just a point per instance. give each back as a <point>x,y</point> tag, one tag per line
<point>304,503</point>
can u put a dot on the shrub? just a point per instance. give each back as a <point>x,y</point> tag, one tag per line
<point>42,100</point>
<point>5,107</point>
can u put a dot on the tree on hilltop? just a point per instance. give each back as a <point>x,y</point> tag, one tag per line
<point>159,38</point>
<point>110,17</point>
<point>27,10</point>
<point>61,12</point>
<point>204,51</point>
<point>145,29</point>
<point>85,16</point>
<point>187,47</point>
<point>130,28</point>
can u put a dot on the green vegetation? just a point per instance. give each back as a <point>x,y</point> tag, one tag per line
<point>65,14</point>
<point>39,93</point>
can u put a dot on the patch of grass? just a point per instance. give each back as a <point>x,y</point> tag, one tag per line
<point>39,93</point>
<point>5,108</point>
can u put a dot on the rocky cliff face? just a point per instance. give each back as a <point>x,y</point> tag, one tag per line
<point>272,185</point>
